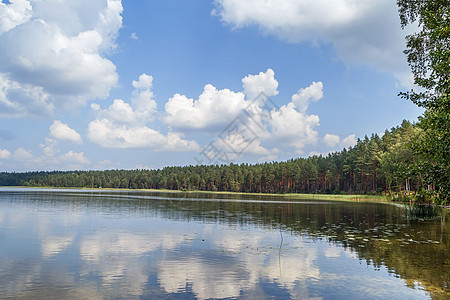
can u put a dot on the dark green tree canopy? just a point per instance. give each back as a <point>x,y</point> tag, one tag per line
<point>428,53</point>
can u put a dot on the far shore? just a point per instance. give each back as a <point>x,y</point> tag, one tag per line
<point>355,198</point>
<point>289,196</point>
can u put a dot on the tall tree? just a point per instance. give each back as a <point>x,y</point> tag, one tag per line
<point>428,53</point>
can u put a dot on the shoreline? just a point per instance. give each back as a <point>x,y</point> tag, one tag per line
<point>289,196</point>
<point>353,198</point>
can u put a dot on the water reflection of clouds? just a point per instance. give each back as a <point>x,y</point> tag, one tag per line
<point>122,276</point>
<point>227,261</point>
<point>349,253</point>
<point>157,255</point>
<point>119,258</point>
<point>52,245</point>
<point>241,261</point>
<point>206,280</point>
<point>16,276</point>
<point>332,251</point>
<point>56,239</point>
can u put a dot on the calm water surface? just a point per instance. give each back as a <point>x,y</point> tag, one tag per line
<point>74,244</point>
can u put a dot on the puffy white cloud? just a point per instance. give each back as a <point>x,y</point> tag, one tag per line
<point>55,57</point>
<point>349,141</point>
<point>361,31</point>
<point>262,83</point>
<point>123,125</point>
<point>315,153</point>
<point>4,154</point>
<point>119,111</point>
<point>49,146</point>
<point>212,109</point>
<point>141,110</point>
<point>294,128</point>
<point>50,158</point>
<point>334,141</point>
<point>74,158</point>
<point>260,125</point>
<point>215,108</point>
<point>61,131</point>
<point>291,125</point>
<point>229,146</point>
<point>313,93</point>
<point>23,155</point>
<point>18,99</point>
<point>142,99</point>
<point>331,140</point>
<point>145,82</point>
<point>15,13</point>
<point>108,134</point>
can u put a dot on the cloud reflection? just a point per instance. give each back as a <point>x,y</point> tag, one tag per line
<point>119,258</point>
<point>53,245</point>
<point>92,255</point>
<point>241,261</point>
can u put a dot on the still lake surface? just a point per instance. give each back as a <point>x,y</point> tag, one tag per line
<point>94,244</point>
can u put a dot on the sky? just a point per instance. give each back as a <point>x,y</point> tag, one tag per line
<point>110,84</point>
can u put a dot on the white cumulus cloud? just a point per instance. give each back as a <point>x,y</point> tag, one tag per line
<point>303,97</point>
<point>15,13</point>
<point>56,57</point>
<point>23,155</point>
<point>294,128</point>
<point>291,125</point>
<point>61,131</point>
<point>262,83</point>
<point>212,109</point>
<point>123,124</point>
<point>215,108</point>
<point>361,31</point>
<point>74,158</point>
<point>18,100</point>
<point>259,127</point>
<point>49,159</point>
<point>331,140</point>
<point>4,154</point>
<point>349,141</point>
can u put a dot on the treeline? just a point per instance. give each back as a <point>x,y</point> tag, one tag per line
<point>375,165</point>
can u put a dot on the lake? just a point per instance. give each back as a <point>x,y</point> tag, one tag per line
<point>99,244</point>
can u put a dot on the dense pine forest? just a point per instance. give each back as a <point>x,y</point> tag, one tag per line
<point>375,165</point>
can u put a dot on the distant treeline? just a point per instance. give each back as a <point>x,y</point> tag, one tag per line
<point>375,165</point>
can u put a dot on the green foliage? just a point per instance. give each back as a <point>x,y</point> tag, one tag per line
<point>373,166</point>
<point>428,53</point>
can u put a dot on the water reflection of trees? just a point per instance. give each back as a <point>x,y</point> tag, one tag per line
<point>412,242</point>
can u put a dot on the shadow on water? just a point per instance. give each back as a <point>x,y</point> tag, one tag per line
<point>423,212</point>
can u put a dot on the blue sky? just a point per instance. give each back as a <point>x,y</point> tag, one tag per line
<point>104,84</point>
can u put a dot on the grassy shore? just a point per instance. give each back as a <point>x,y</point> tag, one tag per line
<point>288,195</point>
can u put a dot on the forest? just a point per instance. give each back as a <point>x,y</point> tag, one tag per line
<point>379,165</point>
<point>410,161</point>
